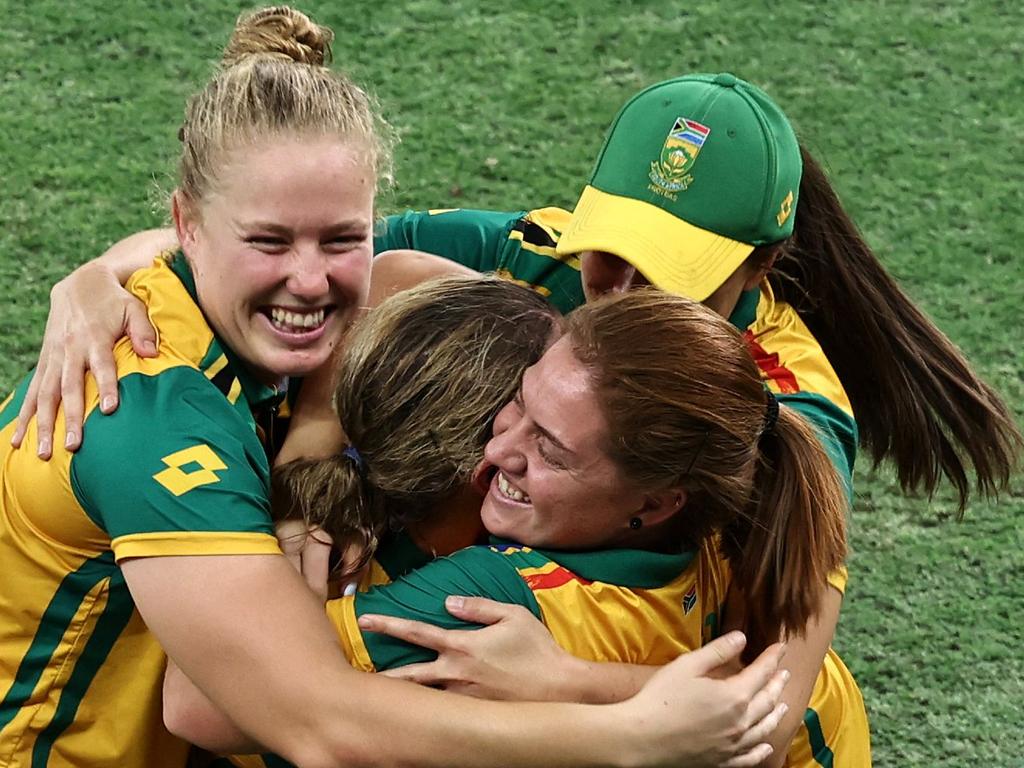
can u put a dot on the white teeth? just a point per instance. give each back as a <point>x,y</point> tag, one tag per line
<point>296,321</point>
<point>510,491</point>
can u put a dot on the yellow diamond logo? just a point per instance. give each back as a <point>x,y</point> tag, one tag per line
<point>201,464</point>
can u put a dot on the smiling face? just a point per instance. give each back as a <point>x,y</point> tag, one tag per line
<point>551,482</point>
<point>281,250</point>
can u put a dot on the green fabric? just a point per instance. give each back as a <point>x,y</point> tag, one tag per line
<point>115,617</point>
<point>472,238</point>
<point>420,595</point>
<point>112,474</point>
<point>836,429</point>
<point>822,752</point>
<point>484,241</point>
<point>650,154</point>
<point>634,568</point>
<point>399,555</point>
<point>257,394</point>
<point>745,312</point>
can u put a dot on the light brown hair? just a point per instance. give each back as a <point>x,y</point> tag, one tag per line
<point>420,380</point>
<point>917,400</point>
<point>273,82</point>
<point>686,407</point>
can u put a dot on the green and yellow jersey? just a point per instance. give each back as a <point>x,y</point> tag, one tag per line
<point>615,605</point>
<point>178,469</point>
<point>520,246</point>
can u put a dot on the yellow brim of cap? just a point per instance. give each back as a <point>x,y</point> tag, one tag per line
<point>674,255</point>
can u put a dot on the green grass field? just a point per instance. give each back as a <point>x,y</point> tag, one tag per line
<point>915,109</point>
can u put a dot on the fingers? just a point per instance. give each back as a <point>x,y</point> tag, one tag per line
<point>762,730</point>
<point>407,630</point>
<point>720,651</point>
<point>426,673</point>
<point>139,329</point>
<point>765,710</point>
<point>480,610</point>
<point>72,386</point>
<point>101,363</point>
<point>47,401</point>
<point>757,675</point>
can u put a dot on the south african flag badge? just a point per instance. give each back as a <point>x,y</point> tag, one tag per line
<point>689,600</point>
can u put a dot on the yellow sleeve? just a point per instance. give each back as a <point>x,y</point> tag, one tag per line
<point>342,615</point>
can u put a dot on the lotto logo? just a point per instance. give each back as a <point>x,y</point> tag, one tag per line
<point>190,468</point>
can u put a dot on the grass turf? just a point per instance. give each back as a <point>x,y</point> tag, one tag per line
<point>913,108</point>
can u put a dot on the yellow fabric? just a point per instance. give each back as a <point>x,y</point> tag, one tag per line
<point>838,578</point>
<point>673,254</point>
<point>839,707</point>
<point>778,330</point>
<point>341,613</point>
<point>638,626</point>
<point>47,541</point>
<point>193,543</point>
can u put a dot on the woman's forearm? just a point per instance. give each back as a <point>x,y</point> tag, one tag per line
<point>135,252</point>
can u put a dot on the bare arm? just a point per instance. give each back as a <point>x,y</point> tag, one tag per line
<point>499,660</point>
<point>89,312</point>
<point>804,657</point>
<point>274,667</point>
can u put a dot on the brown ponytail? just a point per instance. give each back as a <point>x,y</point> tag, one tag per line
<point>792,535</point>
<point>915,396</point>
<point>685,407</point>
<point>420,380</point>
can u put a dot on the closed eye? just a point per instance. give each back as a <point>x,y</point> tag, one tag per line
<point>548,457</point>
<point>267,243</point>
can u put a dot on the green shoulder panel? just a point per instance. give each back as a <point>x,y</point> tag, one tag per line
<point>473,572</point>
<point>474,239</point>
<point>512,244</point>
<point>836,429</point>
<point>175,456</point>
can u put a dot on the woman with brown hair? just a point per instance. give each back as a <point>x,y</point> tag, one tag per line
<point>633,489</point>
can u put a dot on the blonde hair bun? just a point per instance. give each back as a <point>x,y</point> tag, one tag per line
<point>280,32</point>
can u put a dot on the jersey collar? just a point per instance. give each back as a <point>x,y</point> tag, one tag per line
<point>746,309</point>
<point>632,568</point>
<point>256,393</point>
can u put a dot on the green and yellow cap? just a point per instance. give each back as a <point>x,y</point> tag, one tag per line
<point>694,173</point>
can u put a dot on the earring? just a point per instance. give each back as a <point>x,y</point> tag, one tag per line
<point>635,523</point>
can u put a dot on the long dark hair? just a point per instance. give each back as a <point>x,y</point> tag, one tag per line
<point>917,401</point>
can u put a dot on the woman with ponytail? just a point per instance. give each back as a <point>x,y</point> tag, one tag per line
<point>633,490</point>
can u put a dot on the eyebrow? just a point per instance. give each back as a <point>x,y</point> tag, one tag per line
<point>349,225</point>
<point>544,432</point>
